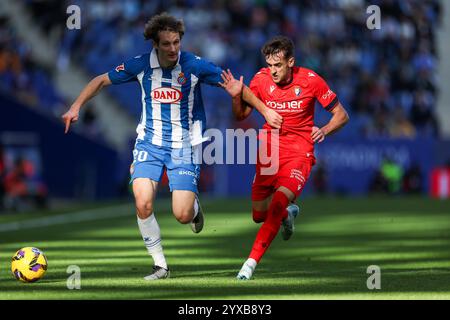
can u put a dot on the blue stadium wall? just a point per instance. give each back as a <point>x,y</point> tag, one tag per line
<point>350,164</point>
<point>73,166</point>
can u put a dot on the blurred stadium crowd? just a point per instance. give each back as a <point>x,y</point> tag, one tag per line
<point>21,186</point>
<point>385,78</point>
<point>21,76</point>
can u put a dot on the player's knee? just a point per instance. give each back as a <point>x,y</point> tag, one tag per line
<point>257,219</point>
<point>278,206</point>
<point>144,208</point>
<point>184,219</point>
<point>259,216</point>
<point>183,215</point>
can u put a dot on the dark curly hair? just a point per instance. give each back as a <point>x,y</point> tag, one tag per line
<point>278,44</point>
<point>162,22</point>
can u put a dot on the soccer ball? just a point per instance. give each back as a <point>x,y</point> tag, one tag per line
<point>29,264</point>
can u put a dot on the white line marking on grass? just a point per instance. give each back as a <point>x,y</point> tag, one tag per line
<point>80,216</point>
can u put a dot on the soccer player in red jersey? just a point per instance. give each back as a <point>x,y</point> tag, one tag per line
<point>291,91</point>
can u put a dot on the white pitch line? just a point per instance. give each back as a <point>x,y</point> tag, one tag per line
<point>80,216</point>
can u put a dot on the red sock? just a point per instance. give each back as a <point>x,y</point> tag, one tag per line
<point>259,216</point>
<point>277,212</point>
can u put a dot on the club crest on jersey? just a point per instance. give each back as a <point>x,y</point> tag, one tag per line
<point>181,78</point>
<point>297,91</point>
<point>120,67</point>
<point>166,95</point>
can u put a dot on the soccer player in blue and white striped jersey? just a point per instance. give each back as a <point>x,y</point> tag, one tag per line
<point>171,125</point>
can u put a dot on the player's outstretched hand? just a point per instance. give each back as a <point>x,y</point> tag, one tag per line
<point>233,86</point>
<point>69,117</point>
<point>273,118</point>
<point>317,135</point>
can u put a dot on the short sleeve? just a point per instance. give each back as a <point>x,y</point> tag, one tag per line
<point>208,72</point>
<point>326,97</point>
<point>127,71</point>
<point>254,84</point>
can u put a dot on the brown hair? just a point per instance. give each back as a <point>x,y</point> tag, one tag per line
<point>279,44</point>
<point>162,22</point>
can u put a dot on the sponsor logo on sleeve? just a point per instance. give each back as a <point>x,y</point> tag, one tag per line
<point>327,94</point>
<point>120,68</point>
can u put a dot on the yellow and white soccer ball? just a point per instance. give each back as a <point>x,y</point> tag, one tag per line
<point>29,264</point>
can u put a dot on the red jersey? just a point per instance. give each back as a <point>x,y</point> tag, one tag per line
<point>295,103</point>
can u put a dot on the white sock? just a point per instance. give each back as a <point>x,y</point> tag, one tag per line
<point>151,235</point>
<point>251,263</point>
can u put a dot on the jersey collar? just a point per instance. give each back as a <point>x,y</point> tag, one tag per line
<point>154,63</point>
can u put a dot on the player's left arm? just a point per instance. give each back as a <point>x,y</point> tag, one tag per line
<point>328,99</point>
<point>338,120</point>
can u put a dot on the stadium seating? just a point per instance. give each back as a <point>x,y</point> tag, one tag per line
<point>375,72</point>
<point>385,78</point>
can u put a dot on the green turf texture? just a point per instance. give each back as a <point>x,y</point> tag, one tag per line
<point>327,258</point>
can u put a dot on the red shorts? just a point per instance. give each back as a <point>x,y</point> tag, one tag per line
<point>291,174</point>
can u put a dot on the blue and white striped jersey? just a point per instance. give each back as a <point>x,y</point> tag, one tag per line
<point>172,108</point>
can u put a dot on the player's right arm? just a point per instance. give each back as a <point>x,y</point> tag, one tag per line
<point>245,98</point>
<point>88,92</point>
<point>126,72</point>
<point>235,88</point>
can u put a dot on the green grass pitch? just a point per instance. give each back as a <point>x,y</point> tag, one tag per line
<point>327,258</point>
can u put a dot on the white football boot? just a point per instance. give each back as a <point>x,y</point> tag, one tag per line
<point>198,221</point>
<point>247,269</point>
<point>287,225</point>
<point>158,273</point>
